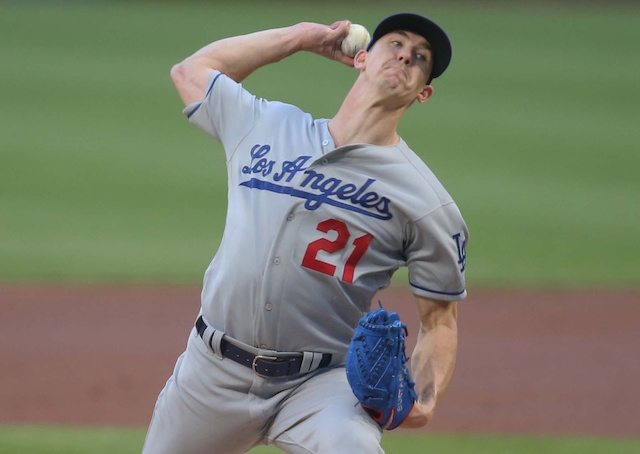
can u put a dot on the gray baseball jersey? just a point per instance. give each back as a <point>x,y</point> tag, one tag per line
<point>314,231</point>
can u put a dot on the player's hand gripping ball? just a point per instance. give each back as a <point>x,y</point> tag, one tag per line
<point>357,39</point>
<point>376,368</point>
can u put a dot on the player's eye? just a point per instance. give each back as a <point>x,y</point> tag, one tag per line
<point>421,57</point>
<point>396,43</point>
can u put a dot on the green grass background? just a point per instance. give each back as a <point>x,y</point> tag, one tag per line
<point>534,131</point>
<point>64,440</point>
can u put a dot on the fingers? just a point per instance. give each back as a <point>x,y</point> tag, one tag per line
<point>341,30</point>
<point>337,32</point>
<point>325,40</point>
<point>342,25</point>
<point>345,59</point>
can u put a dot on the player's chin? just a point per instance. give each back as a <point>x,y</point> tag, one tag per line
<point>394,85</point>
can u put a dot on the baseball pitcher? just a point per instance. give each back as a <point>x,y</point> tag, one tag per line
<point>321,213</point>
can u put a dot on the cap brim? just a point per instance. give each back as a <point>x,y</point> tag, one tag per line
<point>437,38</point>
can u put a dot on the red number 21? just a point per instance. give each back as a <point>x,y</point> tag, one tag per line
<point>331,246</point>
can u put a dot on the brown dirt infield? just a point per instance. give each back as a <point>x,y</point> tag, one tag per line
<point>529,362</point>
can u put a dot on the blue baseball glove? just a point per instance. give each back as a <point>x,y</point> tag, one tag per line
<point>376,368</point>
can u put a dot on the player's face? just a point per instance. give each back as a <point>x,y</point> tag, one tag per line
<point>401,62</point>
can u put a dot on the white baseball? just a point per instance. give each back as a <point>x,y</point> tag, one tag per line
<point>356,40</point>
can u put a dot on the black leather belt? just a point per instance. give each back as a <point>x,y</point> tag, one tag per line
<point>265,366</point>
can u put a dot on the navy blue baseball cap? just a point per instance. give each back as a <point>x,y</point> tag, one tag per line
<point>420,25</point>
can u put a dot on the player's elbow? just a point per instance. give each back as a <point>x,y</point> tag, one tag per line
<point>189,81</point>
<point>179,75</point>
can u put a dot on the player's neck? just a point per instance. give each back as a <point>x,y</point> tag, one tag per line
<point>362,119</point>
<point>346,132</point>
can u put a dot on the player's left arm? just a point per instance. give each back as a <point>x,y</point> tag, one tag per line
<point>434,356</point>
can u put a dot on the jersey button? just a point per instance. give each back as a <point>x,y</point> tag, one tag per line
<point>276,261</point>
<point>291,217</point>
<point>268,306</point>
<point>324,162</point>
<point>263,346</point>
<point>325,142</point>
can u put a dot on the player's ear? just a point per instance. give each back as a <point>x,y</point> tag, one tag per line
<point>425,93</point>
<point>360,60</point>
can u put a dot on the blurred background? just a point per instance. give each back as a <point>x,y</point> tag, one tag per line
<point>103,182</point>
<point>534,131</point>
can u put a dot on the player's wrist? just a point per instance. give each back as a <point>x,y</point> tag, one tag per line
<point>418,417</point>
<point>303,36</point>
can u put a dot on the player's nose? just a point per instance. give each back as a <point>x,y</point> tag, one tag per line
<point>404,56</point>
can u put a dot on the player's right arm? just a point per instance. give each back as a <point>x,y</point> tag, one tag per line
<point>239,56</point>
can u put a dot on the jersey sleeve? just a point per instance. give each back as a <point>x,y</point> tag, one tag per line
<point>435,249</point>
<point>227,112</point>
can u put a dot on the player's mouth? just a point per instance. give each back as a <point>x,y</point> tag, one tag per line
<point>399,68</point>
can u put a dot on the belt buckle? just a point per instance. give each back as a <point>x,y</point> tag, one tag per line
<point>261,357</point>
